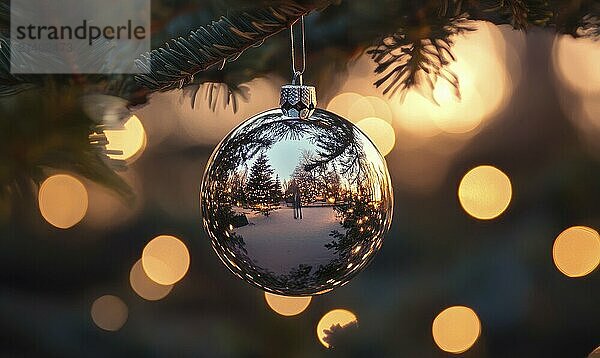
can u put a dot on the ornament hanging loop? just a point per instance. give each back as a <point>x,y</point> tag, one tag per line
<point>293,48</point>
<point>298,100</point>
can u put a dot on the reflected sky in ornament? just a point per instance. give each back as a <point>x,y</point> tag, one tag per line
<point>285,201</point>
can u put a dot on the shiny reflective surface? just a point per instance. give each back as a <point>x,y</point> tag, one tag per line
<point>296,207</point>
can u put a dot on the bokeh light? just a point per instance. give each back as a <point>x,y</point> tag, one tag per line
<point>576,251</point>
<point>286,305</point>
<point>380,132</point>
<point>63,200</point>
<point>485,86</point>
<point>340,317</point>
<point>343,102</point>
<point>485,192</point>
<point>576,63</point>
<point>165,259</point>
<point>456,329</point>
<point>109,313</point>
<point>144,286</point>
<point>130,140</point>
<point>203,125</point>
<point>370,106</point>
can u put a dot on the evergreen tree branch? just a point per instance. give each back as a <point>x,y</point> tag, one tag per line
<point>406,61</point>
<point>175,64</point>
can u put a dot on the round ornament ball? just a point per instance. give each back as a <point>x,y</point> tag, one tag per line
<point>296,201</point>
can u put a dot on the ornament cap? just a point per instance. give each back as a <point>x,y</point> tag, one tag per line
<point>298,101</point>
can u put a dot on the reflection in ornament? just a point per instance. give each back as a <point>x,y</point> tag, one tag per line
<point>296,207</point>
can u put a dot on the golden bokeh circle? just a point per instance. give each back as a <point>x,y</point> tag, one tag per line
<point>343,102</point>
<point>456,329</point>
<point>332,318</point>
<point>63,200</point>
<point>380,132</point>
<point>576,251</point>
<point>130,140</point>
<point>109,313</point>
<point>144,286</point>
<point>485,192</point>
<point>286,305</point>
<point>165,259</point>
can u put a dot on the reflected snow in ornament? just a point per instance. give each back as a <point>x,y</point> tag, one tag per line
<point>296,207</point>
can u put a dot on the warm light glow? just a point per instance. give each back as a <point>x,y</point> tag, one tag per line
<point>206,125</point>
<point>63,200</point>
<point>380,132</point>
<point>287,306</point>
<point>165,260</point>
<point>576,251</point>
<point>456,329</point>
<point>369,106</point>
<point>595,353</point>
<point>485,85</point>
<point>485,192</point>
<point>339,317</point>
<point>343,102</point>
<point>131,140</point>
<point>576,63</point>
<point>109,313</point>
<point>144,286</point>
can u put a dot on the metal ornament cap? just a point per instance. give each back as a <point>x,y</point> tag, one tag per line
<point>298,101</point>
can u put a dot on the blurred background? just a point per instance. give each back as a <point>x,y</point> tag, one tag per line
<point>492,250</point>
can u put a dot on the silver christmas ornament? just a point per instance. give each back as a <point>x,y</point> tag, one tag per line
<point>296,200</point>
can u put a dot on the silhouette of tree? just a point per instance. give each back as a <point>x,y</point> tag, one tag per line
<point>263,192</point>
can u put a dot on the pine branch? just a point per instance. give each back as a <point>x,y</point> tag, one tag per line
<point>405,61</point>
<point>175,64</point>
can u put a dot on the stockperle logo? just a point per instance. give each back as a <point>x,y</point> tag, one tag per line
<point>78,36</point>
